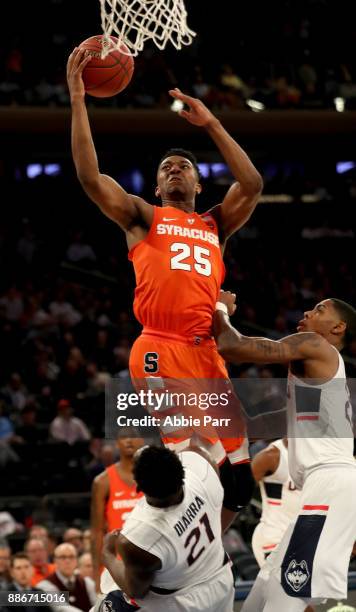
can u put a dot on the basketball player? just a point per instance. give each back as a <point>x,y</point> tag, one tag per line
<point>114,495</point>
<point>177,256</point>
<point>311,562</point>
<point>280,498</point>
<point>171,547</point>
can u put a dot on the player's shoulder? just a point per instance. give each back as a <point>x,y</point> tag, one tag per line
<point>199,462</point>
<point>101,481</point>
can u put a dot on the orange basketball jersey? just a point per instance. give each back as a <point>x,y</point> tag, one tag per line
<point>179,270</point>
<point>122,499</point>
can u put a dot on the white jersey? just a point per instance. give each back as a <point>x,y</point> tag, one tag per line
<point>187,537</point>
<point>280,497</point>
<point>319,425</point>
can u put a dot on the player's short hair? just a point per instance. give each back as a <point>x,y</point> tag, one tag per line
<point>158,472</point>
<point>19,555</point>
<point>347,313</point>
<point>182,153</point>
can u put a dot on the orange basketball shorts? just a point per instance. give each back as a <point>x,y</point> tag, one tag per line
<point>189,366</point>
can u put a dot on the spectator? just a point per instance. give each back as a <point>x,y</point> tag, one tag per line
<point>67,428</point>
<point>82,594</point>
<point>12,301</point>
<point>21,571</point>
<point>63,312</point>
<point>38,555</point>
<point>15,392</point>
<point>75,537</point>
<point>80,252</point>
<point>105,457</point>
<point>85,566</point>
<point>29,431</point>
<point>5,557</point>
<point>7,435</point>
<point>87,540</point>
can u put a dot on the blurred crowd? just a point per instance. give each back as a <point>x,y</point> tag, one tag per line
<point>49,562</point>
<point>286,57</point>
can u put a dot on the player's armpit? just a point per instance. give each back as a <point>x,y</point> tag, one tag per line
<point>237,207</point>
<point>120,206</point>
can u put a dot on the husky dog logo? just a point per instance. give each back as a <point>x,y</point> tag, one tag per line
<point>297,575</point>
<point>106,606</point>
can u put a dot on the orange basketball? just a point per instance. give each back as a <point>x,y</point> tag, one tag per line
<point>106,77</point>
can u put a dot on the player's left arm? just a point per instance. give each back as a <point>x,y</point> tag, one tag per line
<point>134,573</point>
<point>242,197</point>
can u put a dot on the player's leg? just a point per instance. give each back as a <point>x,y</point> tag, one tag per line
<point>256,599</point>
<point>277,599</point>
<point>257,543</point>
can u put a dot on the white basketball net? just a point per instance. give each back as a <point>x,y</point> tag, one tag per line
<point>135,21</point>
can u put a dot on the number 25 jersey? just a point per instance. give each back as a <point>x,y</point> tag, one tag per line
<point>179,271</point>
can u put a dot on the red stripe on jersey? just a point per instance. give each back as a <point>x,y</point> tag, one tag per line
<point>269,547</point>
<point>307,418</point>
<point>274,503</point>
<point>307,507</point>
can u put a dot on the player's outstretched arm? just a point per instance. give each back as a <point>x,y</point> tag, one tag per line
<point>237,348</point>
<point>134,575</point>
<point>242,197</point>
<point>113,200</point>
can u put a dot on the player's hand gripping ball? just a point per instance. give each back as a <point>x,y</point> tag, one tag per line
<point>106,77</point>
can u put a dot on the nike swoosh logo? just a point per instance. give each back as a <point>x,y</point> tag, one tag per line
<point>166,219</point>
<point>119,494</point>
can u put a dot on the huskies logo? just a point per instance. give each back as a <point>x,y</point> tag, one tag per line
<point>106,606</point>
<point>297,575</point>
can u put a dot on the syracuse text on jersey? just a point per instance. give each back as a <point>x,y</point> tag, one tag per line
<point>188,232</point>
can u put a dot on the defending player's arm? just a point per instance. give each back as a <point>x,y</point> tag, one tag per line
<point>265,463</point>
<point>242,197</point>
<point>237,348</point>
<point>134,574</point>
<point>99,493</point>
<point>123,208</point>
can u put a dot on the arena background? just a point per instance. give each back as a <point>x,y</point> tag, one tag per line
<point>281,76</point>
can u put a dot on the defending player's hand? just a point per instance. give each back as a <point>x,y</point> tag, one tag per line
<point>77,61</point>
<point>229,299</point>
<point>198,113</point>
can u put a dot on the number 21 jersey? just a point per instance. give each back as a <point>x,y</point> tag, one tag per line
<point>179,271</point>
<point>186,537</point>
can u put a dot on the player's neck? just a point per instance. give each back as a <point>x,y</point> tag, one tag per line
<point>125,465</point>
<point>172,500</point>
<point>187,207</point>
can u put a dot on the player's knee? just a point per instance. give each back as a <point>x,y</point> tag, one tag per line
<point>238,484</point>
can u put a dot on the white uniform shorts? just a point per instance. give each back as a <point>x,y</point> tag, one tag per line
<point>313,557</point>
<point>263,543</point>
<point>215,596</point>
